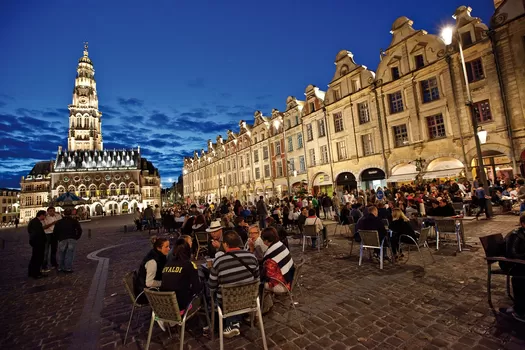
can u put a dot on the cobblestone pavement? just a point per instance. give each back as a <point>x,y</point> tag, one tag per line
<point>342,305</point>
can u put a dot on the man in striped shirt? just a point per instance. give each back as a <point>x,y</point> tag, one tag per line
<point>235,266</point>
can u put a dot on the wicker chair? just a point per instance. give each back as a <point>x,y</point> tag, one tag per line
<point>129,283</point>
<point>310,231</point>
<point>290,293</point>
<point>420,243</point>
<point>238,299</point>
<point>165,308</point>
<point>202,242</point>
<point>370,239</point>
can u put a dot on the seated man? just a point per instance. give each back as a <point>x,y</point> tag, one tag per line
<point>215,241</point>
<point>241,227</point>
<point>371,222</point>
<point>346,218</point>
<point>234,266</point>
<point>515,249</point>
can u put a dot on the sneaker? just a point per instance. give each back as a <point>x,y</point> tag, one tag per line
<point>506,310</point>
<point>45,270</point>
<point>231,331</point>
<point>206,331</point>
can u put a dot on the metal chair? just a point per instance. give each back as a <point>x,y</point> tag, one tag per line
<point>165,308</point>
<point>350,236</point>
<point>238,299</point>
<point>201,237</point>
<point>339,222</point>
<point>290,292</point>
<point>310,231</point>
<point>370,239</point>
<point>129,283</point>
<point>420,243</point>
<point>449,227</point>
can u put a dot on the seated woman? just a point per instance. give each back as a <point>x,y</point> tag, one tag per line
<point>149,274</point>
<point>278,268</point>
<point>312,219</point>
<point>199,224</point>
<point>400,225</point>
<point>181,275</point>
<point>255,243</point>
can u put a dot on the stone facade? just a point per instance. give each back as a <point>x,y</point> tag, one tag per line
<point>111,182</point>
<point>9,205</point>
<point>410,118</point>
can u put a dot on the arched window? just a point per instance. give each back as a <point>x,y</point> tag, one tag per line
<point>102,190</point>
<point>113,190</point>
<point>61,190</point>
<point>122,189</point>
<point>71,189</point>
<point>131,188</point>
<point>82,191</point>
<point>79,122</point>
<point>92,191</point>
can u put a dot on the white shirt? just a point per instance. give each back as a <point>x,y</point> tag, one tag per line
<point>151,271</point>
<point>51,219</point>
<point>157,213</point>
<point>314,221</point>
<point>305,203</point>
<point>346,198</point>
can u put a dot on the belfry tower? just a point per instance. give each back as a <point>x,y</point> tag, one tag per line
<point>85,126</point>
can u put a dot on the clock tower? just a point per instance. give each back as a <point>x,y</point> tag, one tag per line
<point>85,125</point>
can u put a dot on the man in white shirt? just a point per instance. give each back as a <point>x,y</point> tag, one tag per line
<point>50,255</point>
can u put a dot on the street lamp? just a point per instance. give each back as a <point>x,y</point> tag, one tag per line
<point>447,34</point>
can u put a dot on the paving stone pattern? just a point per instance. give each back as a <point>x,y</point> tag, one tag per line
<point>342,305</point>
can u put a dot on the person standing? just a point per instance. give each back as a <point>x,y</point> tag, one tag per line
<point>67,231</point>
<point>482,201</point>
<point>37,240</point>
<point>158,216</point>
<point>336,201</point>
<point>262,211</point>
<point>50,253</point>
<point>327,206</point>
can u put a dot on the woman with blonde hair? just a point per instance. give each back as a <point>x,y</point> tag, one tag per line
<point>400,225</point>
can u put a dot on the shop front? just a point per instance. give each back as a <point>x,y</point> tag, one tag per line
<point>496,165</point>
<point>444,168</point>
<point>345,182</point>
<point>372,178</point>
<point>403,174</point>
<point>322,184</point>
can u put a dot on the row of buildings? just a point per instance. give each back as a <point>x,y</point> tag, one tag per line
<point>409,118</point>
<point>111,182</point>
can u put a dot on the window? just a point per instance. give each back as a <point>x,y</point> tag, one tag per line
<point>83,191</point>
<point>436,126</point>
<point>395,73</point>
<point>229,179</point>
<point>356,85</point>
<point>38,200</point>
<point>309,132</point>
<point>420,62</point>
<point>290,144</point>
<point>430,90</point>
<point>29,201</point>
<point>297,119</point>
<point>255,139</point>
<point>475,70</point>
<point>233,164</point>
<point>278,148</point>
<point>368,148</point>
<point>113,190</point>
<point>299,140</point>
<point>312,157</point>
<point>482,111</point>
<point>466,39</point>
<point>302,164</point>
<point>338,122</point>
<point>228,166</point>
<point>312,107</point>
<point>364,116</point>
<point>400,135</point>
<point>257,173</point>
<point>241,162</point>
<point>341,150</point>
<point>256,156</point>
<point>396,102</point>
<point>242,177</point>
<point>291,164</point>
<point>266,170</point>
<point>248,159</point>
<point>265,152</point>
<point>321,128</point>
<point>279,167</point>
<point>337,95</point>
<point>324,154</point>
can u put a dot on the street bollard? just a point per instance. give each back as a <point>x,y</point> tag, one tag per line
<point>125,228</point>
<point>89,233</point>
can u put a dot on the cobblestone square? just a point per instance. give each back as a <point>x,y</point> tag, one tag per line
<point>342,305</point>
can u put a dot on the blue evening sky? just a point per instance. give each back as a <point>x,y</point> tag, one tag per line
<point>171,73</point>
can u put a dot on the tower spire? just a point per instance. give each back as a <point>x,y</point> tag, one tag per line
<point>85,49</point>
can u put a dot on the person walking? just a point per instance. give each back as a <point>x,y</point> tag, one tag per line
<point>37,240</point>
<point>262,211</point>
<point>67,231</point>
<point>50,253</point>
<point>482,201</point>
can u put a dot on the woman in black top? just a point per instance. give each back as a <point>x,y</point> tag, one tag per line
<point>180,275</point>
<point>400,225</point>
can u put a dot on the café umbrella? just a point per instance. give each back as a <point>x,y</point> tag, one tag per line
<point>68,200</point>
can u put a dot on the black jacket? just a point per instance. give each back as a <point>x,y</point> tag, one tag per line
<point>67,228</point>
<point>140,281</point>
<point>243,233</point>
<point>515,244</point>
<point>447,210</point>
<point>402,227</point>
<point>37,235</point>
<point>372,223</point>
<point>181,277</point>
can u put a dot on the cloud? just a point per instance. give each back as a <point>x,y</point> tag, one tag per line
<point>130,102</point>
<point>197,83</point>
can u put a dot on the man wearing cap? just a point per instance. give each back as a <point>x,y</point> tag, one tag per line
<point>67,231</point>
<point>215,248</point>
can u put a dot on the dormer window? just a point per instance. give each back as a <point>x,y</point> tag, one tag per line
<point>420,61</point>
<point>466,39</point>
<point>312,107</point>
<point>395,73</point>
<point>337,95</point>
<point>356,85</point>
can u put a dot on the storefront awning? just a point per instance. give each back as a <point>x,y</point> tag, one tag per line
<point>402,178</point>
<point>442,173</point>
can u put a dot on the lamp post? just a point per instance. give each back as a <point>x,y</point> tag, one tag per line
<point>276,124</point>
<point>447,34</point>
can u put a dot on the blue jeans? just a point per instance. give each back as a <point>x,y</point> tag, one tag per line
<point>50,252</point>
<point>66,253</point>
<point>262,222</point>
